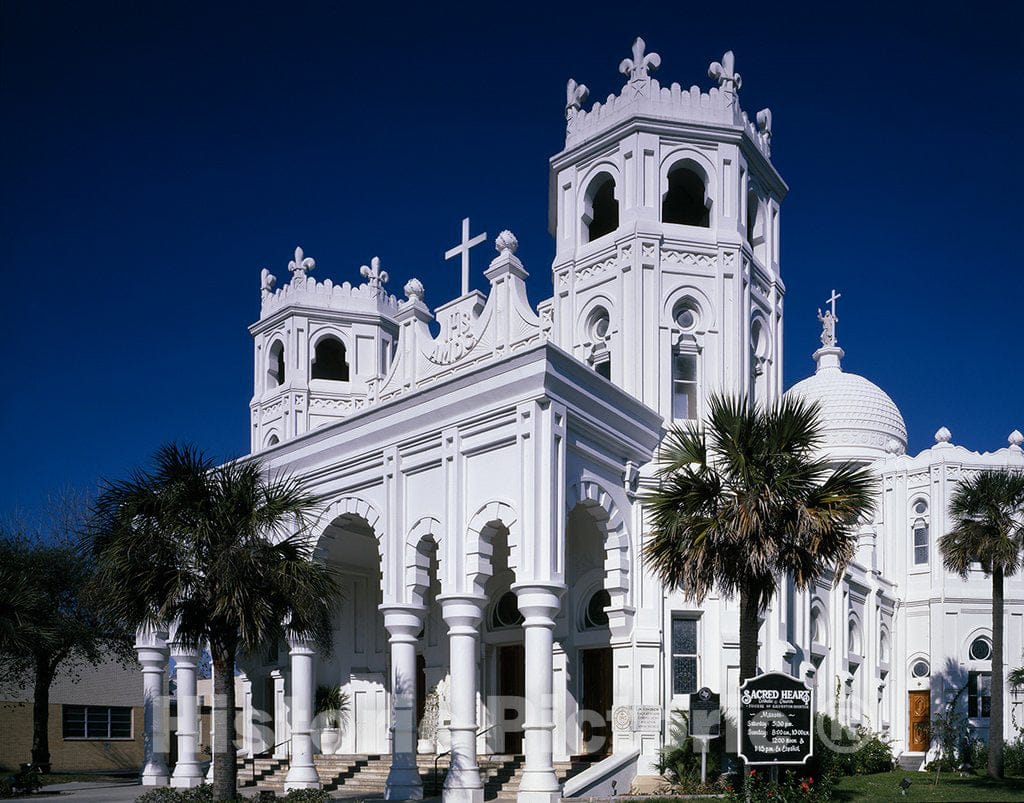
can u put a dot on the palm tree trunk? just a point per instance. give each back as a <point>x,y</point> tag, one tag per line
<point>41,713</point>
<point>225,769</point>
<point>995,722</point>
<point>749,625</point>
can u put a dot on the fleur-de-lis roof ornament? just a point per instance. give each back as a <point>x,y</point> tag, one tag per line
<point>724,72</point>
<point>267,282</point>
<point>375,277</point>
<point>301,265</point>
<point>575,96</point>
<point>638,67</point>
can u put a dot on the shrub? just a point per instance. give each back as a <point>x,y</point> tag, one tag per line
<point>848,751</point>
<point>680,763</point>
<point>757,787</point>
<point>307,796</point>
<point>1013,758</point>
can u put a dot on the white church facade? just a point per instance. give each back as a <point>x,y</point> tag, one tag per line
<point>481,464</point>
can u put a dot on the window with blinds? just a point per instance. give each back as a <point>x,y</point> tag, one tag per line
<point>97,722</point>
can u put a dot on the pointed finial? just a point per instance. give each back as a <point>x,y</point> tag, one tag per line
<point>724,72</point>
<point>375,277</point>
<point>1015,440</point>
<point>414,290</point>
<point>506,242</point>
<point>267,282</point>
<point>764,125</point>
<point>575,96</point>
<point>301,265</point>
<point>943,436</point>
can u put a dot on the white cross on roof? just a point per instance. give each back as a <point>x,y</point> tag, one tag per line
<point>463,250</point>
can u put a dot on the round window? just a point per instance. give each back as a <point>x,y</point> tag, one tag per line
<point>981,649</point>
<point>506,611</point>
<point>920,669</point>
<point>920,507</point>
<point>596,616</point>
<point>685,317</point>
<point>599,324</point>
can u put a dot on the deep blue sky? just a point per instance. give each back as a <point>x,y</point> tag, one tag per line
<point>156,155</point>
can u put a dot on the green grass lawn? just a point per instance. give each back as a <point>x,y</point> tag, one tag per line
<point>886,786</point>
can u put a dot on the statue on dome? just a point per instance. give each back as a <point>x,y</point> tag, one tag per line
<point>829,321</point>
<point>828,327</point>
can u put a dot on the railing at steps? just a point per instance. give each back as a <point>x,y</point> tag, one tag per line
<point>447,752</point>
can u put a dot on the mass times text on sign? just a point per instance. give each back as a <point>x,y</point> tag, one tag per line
<point>776,724</point>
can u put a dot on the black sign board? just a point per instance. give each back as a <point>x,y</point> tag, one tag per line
<point>705,713</point>
<point>776,723</point>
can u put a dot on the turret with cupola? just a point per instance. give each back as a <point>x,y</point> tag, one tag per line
<point>664,206</point>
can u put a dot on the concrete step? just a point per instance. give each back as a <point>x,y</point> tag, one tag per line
<point>911,762</point>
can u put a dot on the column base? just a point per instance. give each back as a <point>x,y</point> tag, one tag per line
<point>524,796</point>
<point>462,795</point>
<point>302,778</point>
<point>188,778</point>
<point>403,784</point>
<point>155,778</point>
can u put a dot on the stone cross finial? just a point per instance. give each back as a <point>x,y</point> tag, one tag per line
<point>506,242</point>
<point>462,249</point>
<point>267,282</point>
<point>724,72</point>
<point>301,265</point>
<point>640,65</point>
<point>414,290</point>
<point>375,277</point>
<point>575,96</point>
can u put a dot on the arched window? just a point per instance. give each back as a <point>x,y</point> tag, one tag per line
<point>884,648</point>
<point>686,200</point>
<point>595,616</point>
<point>853,637</point>
<point>275,367</point>
<point>329,360</point>
<point>598,328</point>
<point>753,209</point>
<point>272,440</point>
<point>920,542</point>
<point>819,626</point>
<point>686,317</point>
<point>601,213</point>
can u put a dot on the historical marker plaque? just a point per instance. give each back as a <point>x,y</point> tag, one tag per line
<point>776,724</point>
<point>705,713</point>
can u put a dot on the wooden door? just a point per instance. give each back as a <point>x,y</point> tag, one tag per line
<point>920,721</point>
<point>596,671</point>
<point>512,688</point>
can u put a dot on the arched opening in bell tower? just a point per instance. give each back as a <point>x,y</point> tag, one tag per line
<point>329,360</point>
<point>686,200</point>
<point>601,211</point>
<point>275,368</point>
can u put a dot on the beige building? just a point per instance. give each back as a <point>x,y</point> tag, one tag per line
<point>95,722</point>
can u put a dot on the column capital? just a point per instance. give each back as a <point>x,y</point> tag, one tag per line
<point>539,602</point>
<point>403,622</point>
<point>184,656</point>
<point>462,611</point>
<point>300,645</point>
<point>151,637</point>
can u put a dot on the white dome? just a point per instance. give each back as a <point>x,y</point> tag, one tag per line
<point>860,420</point>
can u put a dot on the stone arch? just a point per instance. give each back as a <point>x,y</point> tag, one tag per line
<point>678,165</point>
<point>599,215</point>
<point>351,507</point>
<point>271,438</point>
<point>688,293</point>
<point>819,623</point>
<point>424,537</point>
<point>479,542</point>
<point>602,507</point>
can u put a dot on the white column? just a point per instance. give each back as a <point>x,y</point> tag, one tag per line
<point>302,772</point>
<point>280,710</point>
<point>187,772</point>
<point>152,652</point>
<point>212,703</point>
<point>539,603</point>
<point>463,613</point>
<point>403,623</point>
<point>248,730</point>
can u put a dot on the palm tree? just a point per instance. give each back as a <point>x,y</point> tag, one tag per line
<point>988,528</point>
<point>743,500</point>
<point>220,553</point>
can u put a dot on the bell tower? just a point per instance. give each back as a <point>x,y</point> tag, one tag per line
<point>664,206</point>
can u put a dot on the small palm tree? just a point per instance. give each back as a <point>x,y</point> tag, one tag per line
<point>220,553</point>
<point>744,500</point>
<point>988,528</point>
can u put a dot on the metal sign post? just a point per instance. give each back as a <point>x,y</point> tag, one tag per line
<point>705,724</point>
